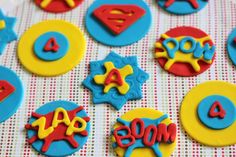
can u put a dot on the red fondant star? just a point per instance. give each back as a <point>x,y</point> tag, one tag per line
<point>194,3</point>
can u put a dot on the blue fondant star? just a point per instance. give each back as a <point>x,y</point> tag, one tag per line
<point>113,97</point>
<point>7,33</point>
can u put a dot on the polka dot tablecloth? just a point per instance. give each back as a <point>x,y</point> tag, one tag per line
<point>162,91</point>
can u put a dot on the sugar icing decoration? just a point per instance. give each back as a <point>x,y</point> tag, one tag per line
<point>6,89</point>
<point>142,132</point>
<point>51,46</point>
<point>57,6</point>
<point>217,112</point>
<point>7,34</point>
<point>11,93</point>
<point>181,7</point>
<point>180,45</point>
<point>51,53</point>
<point>119,22</point>
<point>2,24</point>
<point>115,80</point>
<point>231,46</point>
<point>194,3</point>
<point>210,117</point>
<point>57,125</point>
<point>45,3</point>
<point>118,17</point>
<point>147,135</point>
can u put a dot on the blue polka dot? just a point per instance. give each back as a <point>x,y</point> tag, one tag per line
<point>41,42</point>
<point>216,123</point>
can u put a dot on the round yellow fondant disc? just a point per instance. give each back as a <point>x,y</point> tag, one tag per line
<point>191,122</point>
<point>166,149</point>
<point>77,47</point>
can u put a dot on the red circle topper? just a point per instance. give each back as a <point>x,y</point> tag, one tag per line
<point>57,6</point>
<point>183,68</point>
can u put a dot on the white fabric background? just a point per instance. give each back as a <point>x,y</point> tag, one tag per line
<point>162,91</point>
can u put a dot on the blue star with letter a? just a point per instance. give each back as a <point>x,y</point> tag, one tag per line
<point>115,80</point>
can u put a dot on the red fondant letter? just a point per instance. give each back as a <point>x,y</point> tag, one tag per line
<point>119,138</point>
<point>149,142</point>
<point>114,77</point>
<point>220,111</point>
<point>51,45</point>
<point>137,123</point>
<point>166,134</point>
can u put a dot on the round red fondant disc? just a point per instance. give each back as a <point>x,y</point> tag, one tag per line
<point>58,6</point>
<point>185,69</point>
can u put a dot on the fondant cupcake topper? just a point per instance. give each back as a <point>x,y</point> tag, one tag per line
<point>49,48</point>
<point>210,117</point>
<point>115,80</point>
<point>144,128</point>
<point>185,51</point>
<point>182,7</point>
<point>118,17</point>
<point>119,22</point>
<point>56,122</point>
<point>11,93</point>
<point>194,3</point>
<point>231,46</point>
<point>57,6</point>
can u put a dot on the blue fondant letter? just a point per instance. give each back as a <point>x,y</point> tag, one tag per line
<point>171,51</point>
<point>184,41</point>
<point>206,51</point>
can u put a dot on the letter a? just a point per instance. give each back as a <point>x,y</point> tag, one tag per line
<point>65,120</point>
<point>114,77</point>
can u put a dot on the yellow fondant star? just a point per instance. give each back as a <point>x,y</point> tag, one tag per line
<point>45,3</point>
<point>2,24</point>
<point>114,78</point>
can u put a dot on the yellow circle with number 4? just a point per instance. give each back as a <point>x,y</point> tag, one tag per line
<point>190,118</point>
<point>73,56</point>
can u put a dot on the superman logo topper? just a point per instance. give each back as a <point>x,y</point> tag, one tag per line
<point>118,22</point>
